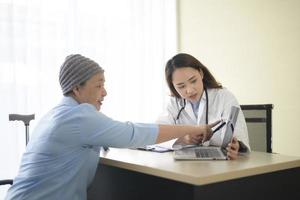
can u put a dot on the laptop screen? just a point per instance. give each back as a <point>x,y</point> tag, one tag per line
<point>230,125</point>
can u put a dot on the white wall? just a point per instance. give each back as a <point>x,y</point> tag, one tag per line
<point>253,48</point>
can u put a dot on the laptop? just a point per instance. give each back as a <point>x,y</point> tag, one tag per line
<point>210,152</point>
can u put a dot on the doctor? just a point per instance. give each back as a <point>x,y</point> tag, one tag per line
<point>197,98</point>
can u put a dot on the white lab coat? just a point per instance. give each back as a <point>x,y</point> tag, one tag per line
<point>220,102</point>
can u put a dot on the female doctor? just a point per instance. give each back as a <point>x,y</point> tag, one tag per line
<point>197,98</point>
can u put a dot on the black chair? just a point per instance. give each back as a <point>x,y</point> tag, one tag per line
<point>259,123</point>
<point>26,119</point>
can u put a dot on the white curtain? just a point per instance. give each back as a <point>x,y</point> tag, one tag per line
<point>130,39</point>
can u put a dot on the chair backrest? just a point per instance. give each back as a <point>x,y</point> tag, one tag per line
<point>259,123</point>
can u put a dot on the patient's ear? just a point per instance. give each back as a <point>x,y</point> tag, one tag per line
<point>76,94</point>
<point>76,91</point>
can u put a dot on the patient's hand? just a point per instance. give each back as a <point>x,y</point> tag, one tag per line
<point>188,140</point>
<point>204,134</point>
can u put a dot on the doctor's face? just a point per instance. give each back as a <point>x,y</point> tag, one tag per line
<point>188,83</point>
<point>92,92</point>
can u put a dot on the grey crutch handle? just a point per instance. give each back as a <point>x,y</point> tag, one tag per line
<point>25,118</point>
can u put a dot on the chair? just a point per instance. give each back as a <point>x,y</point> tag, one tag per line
<point>26,119</point>
<point>259,123</point>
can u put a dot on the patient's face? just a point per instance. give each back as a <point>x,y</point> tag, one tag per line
<point>93,91</point>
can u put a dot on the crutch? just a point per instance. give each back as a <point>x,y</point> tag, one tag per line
<point>26,119</point>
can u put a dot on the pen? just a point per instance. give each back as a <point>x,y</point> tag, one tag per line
<point>219,127</point>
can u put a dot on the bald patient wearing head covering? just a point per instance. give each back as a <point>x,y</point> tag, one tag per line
<point>76,70</point>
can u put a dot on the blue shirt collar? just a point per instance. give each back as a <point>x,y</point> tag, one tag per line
<point>68,100</point>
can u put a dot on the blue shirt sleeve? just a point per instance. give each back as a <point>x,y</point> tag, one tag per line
<point>98,129</point>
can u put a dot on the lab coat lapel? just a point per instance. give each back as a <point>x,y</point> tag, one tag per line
<point>202,120</point>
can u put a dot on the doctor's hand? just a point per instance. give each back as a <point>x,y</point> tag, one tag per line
<point>233,149</point>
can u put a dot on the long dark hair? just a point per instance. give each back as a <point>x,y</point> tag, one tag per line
<point>185,60</point>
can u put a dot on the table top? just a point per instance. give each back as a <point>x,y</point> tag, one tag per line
<point>197,172</point>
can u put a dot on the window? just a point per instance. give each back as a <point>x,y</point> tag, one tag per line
<point>130,39</point>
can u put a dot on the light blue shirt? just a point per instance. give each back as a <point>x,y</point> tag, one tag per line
<point>62,155</point>
<point>198,107</point>
<point>195,106</point>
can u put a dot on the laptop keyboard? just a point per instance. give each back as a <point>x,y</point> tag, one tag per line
<point>207,153</point>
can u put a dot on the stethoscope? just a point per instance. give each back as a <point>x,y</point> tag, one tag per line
<point>184,104</point>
